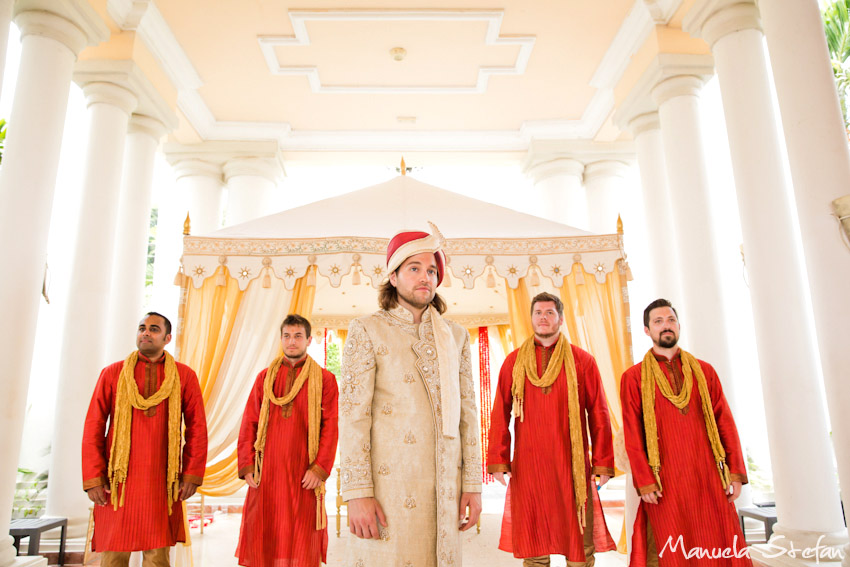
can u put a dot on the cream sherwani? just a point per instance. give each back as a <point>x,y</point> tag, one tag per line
<point>392,443</point>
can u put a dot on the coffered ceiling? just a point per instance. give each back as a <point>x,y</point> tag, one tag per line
<point>471,76</point>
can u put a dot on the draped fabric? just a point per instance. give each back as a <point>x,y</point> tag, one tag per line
<point>519,310</point>
<point>594,314</point>
<point>228,336</point>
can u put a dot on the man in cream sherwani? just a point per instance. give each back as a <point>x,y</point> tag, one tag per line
<point>409,440</point>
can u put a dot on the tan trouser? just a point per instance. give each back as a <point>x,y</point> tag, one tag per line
<point>589,547</point>
<point>150,558</point>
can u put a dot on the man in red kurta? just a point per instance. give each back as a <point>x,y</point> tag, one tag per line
<point>542,515</point>
<point>687,491</point>
<point>283,521</point>
<point>143,522</point>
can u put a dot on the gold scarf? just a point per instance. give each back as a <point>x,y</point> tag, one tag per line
<point>650,375</point>
<point>311,373</point>
<point>128,397</point>
<point>562,357</point>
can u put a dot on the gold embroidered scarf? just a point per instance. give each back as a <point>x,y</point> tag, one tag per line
<point>311,373</point>
<point>650,375</point>
<point>562,357</point>
<point>128,397</point>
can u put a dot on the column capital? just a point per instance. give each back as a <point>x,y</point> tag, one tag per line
<point>714,19</point>
<point>644,123</point>
<point>665,66</point>
<point>680,85</point>
<point>112,94</point>
<point>605,169</point>
<point>267,167</point>
<point>127,74</point>
<point>565,166</point>
<point>143,124</point>
<point>74,23</point>
<point>193,167</point>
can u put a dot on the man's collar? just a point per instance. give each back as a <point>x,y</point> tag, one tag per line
<point>159,360</point>
<point>537,342</point>
<point>298,364</point>
<point>403,313</point>
<point>663,358</point>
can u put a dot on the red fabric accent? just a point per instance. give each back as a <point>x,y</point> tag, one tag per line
<point>143,522</point>
<point>540,512</point>
<point>279,518</point>
<point>410,236</point>
<point>693,504</point>
<point>484,373</point>
<point>325,345</point>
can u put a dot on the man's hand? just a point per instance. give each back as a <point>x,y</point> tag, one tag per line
<point>99,495</point>
<point>651,497</point>
<point>249,478</point>
<point>362,516</point>
<point>733,491</point>
<point>187,489</point>
<point>601,479</point>
<point>311,480</point>
<point>501,476</point>
<point>470,501</point>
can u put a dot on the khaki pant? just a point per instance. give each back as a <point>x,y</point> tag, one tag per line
<point>589,547</point>
<point>150,558</point>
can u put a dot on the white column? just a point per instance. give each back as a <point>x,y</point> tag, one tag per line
<point>127,290</point>
<point>820,169</point>
<point>201,182</point>
<point>109,107</point>
<point>604,183</point>
<point>49,46</point>
<point>664,249</point>
<point>703,326</point>
<point>5,23</point>
<point>559,192</point>
<point>806,489</point>
<point>251,183</point>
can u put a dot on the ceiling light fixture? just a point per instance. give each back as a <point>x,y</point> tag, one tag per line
<point>398,53</point>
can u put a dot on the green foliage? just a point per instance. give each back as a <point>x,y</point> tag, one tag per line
<point>759,479</point>
<point>334,358</point>
<point>29,488</point>
<point>151,247</point>
<point>836,25</point>
<point>2,138</point>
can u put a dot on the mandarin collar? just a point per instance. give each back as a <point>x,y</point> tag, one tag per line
<point>662,358</point>
<point>402,313</point>
<point>286,362</point>
<point>161,359</point>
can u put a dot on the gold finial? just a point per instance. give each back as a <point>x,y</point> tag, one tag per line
<point>403,167</point>
<point>619,224</point>
<point>186,225</point>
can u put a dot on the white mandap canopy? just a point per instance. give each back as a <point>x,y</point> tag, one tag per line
<point>326,259</point>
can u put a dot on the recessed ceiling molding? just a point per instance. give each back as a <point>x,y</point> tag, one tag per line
<point>127,13</point>
<point>162,43</point>
<point>299,21</point>
<point>208,128</point>
<point>378,140</point>
<point>597,111</point>
<point>630,37</point>
<point>662,10</point>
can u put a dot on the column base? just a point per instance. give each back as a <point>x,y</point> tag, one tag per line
<point>8,557</point>
<point>797,548</point>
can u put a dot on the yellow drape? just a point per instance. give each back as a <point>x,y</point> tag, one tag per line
<point>342,334</point>
<point>209,314</point>
<point>505,338</point>
<point>519,311</point>
<point>594,314</point>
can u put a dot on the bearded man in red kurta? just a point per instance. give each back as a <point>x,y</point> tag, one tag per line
<point>135,473</point>
<point>551,385</point>
<point>684,453</point>
<point>287,444</point>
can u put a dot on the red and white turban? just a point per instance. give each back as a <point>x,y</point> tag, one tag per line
<point>409,243</point>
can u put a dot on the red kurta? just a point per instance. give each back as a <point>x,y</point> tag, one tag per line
<point>143,522</point>
<point>540,511</point>
<point>693,504</point>
<point>279,518</point>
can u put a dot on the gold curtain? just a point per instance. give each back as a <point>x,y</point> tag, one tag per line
<point>342,334</point>
<point>505,338</point>
<point>209,314</point>
<point>594,315</point>
<point>519,311</point>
